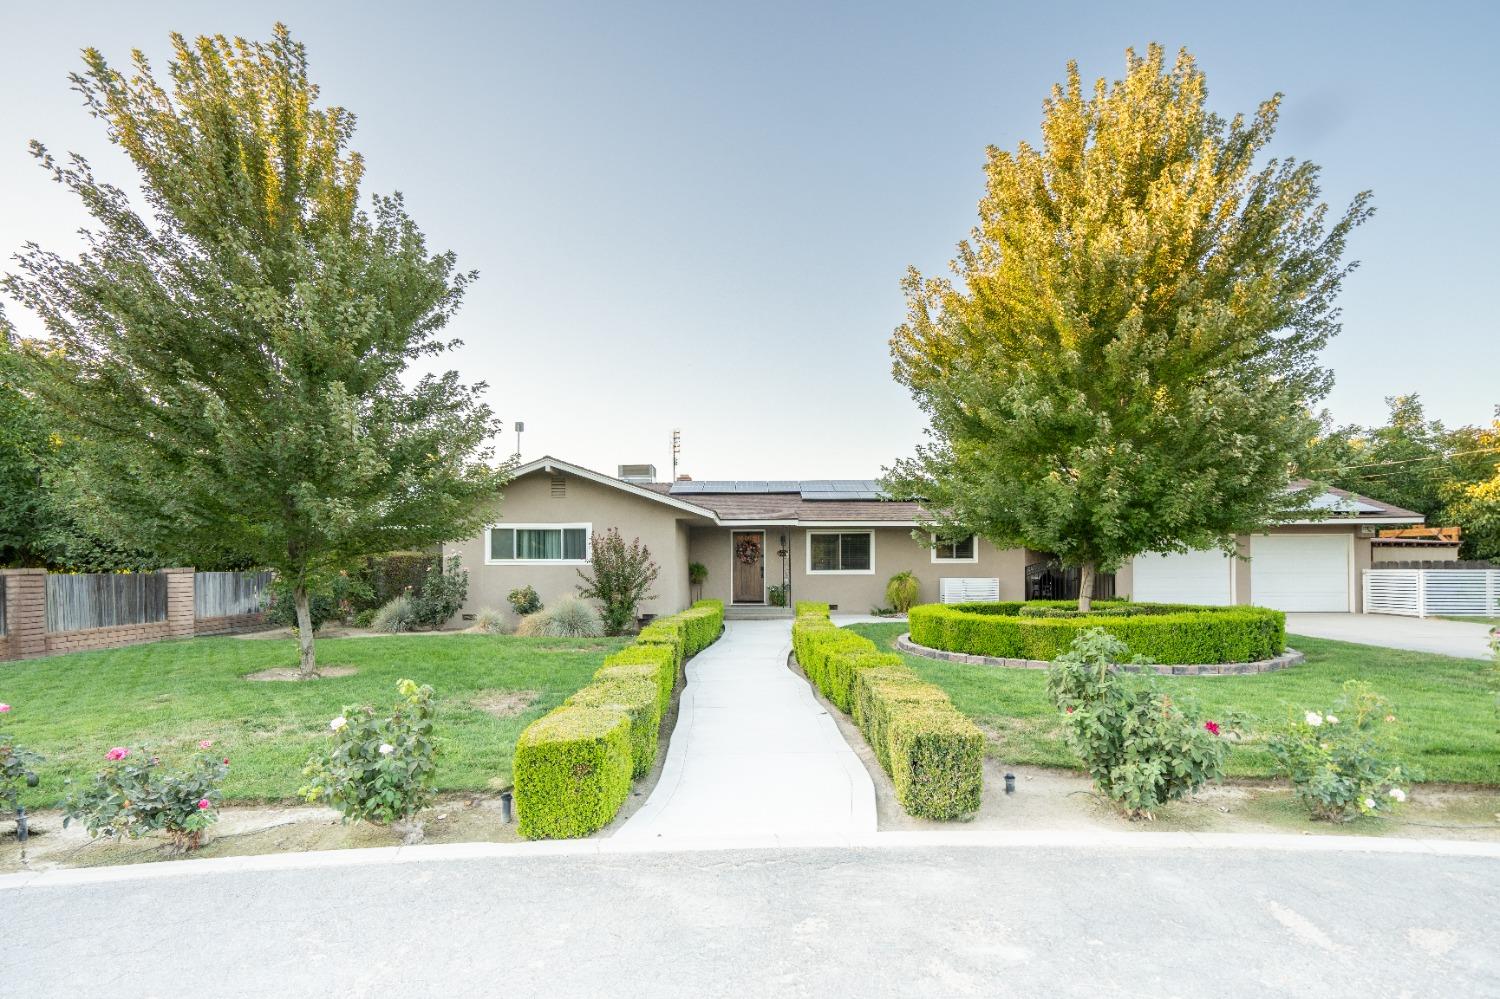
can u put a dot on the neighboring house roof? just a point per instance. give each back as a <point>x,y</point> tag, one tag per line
<point>835,502</point>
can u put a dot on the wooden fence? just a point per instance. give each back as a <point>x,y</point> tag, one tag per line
<point>224,594</point>
<point>105,600</point>
<point>2,605</point>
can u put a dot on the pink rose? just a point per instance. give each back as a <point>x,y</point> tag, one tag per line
<point>118,753</point>
<point>206,744</point>
<point>1213,727</point>
<point>202,804</point>
<point>4,709</point>
<point>226,761</point>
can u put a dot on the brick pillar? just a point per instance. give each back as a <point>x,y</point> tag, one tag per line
<point>180,606</point>
<point>25,612</point>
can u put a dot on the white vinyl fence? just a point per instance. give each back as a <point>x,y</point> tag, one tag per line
<point>1430,592</point>
<point>221,594</point>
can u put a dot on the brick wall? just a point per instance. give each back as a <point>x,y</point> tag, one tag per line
<point>26,619</point>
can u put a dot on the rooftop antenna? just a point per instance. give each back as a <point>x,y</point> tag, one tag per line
<point>519,428</point>
<point>676,450</point>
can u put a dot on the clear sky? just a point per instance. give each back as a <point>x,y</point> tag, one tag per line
<point>697,215</point>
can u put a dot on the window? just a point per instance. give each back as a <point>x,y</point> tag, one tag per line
<point>966,550</point>
<point>565,544</point>
<point>834,551</point>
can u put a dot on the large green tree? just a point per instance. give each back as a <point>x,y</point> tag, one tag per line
<point>1125,357</point>
<point>236,362</point>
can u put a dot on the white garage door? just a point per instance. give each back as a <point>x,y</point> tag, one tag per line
<point>1300,572</point>
<point>1199,577</point>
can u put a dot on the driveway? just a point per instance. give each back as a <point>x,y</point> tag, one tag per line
<point>1463,639</point>
<point>1040,920</point>
<point>753,752</point>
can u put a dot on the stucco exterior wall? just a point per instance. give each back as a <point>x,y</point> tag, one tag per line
<point>894,550</point>
<point>530,500</point>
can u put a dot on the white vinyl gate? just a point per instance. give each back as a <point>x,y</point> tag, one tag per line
<point>1429,592</point>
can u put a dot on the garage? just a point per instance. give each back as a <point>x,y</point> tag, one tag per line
<point>1196,577</point>
<point>1300,572</point>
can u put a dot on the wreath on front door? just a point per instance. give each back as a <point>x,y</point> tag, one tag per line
<point>747,550</point>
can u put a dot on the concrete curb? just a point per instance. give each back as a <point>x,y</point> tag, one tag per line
<point>1058,839</point>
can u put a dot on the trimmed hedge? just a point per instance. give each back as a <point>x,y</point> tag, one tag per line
<point>1164,633</point>
<point>812,607</point>
<point>573,767</point>
<point>640,699</point>
<point>659,658</point>
<point>933,753</point>
<point>572,772</point>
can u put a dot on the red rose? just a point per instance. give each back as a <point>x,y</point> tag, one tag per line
<point>1212,726</point>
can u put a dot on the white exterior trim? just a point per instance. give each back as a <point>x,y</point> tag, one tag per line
<point>588,537</point>
<point>953,561</point>
<point>841,572</point>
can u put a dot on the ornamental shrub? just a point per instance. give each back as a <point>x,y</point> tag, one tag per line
<point>572,772</point>
<point>442,594</point>
<point>1142,746</point>
<point>1340,762</point>
<point>842,666</point>
<point>396,617</point>
<point>668,632</point>
<point>936,761</point>
<point>1166,633</point>
<point>619,577</point>
<point>567,618</point>
<point>524,600</point>
<point>17,767</point>
<point>336,599</point>
<point>490,621</point>
<point>811,607</point>
<point>379,769</point>
<point>902,591</point>
<point>134,795</point>
<point>640,699</point>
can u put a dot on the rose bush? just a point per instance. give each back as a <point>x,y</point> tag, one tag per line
<point>379,769</point>
<point>1142,746</point>
<point>135,795</point>
<point>1340,762</point>
<point>17,767</point>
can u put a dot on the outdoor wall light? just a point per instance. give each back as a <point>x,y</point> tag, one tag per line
<point>1010,783</point>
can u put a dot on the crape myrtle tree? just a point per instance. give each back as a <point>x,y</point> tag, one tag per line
<point>1126,355</point>
<point>235,361</point>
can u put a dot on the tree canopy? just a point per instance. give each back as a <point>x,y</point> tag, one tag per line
<point>235,361</point>
<point>1126,355</point>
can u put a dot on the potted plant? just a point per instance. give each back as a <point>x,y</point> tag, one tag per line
<point>697,574</point>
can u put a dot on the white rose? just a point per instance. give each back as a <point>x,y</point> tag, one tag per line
<point>338,723</point>
<point>1332,720</point>
<point>1398,794</point>
<point>1370,803</point>
<point>386,749</point>
<point>1314,719</point>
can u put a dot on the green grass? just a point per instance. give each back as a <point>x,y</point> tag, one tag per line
<point>1491,621</point>
<point>169,695</point>
<point>1447,707</point>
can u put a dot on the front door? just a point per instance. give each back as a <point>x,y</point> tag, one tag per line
<point>749,555</point>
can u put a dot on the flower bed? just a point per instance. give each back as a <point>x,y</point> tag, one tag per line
<point>1042,630</point>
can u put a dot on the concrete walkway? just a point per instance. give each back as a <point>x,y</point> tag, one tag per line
<point>1464,639</point>
<point>754,753</point>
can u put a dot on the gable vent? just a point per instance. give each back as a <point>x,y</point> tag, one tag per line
<point>559,487</point>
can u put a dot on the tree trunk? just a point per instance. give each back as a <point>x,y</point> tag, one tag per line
<point>308,660</point>
<point>1086,586</point>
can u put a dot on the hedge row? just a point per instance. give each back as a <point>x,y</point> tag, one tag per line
<point>933,753</point>
<point>573,767</point>
<point>1174,634</point>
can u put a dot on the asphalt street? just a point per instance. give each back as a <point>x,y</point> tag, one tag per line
<point>860,921</point>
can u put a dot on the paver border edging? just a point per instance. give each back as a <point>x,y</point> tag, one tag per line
<point>1291,657</point>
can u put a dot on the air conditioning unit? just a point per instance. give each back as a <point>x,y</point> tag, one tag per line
<point>639,474</point>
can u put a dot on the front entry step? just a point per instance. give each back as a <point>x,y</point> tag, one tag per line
<point>756,612</point>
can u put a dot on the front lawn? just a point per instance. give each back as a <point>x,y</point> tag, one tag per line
<point>170,695</point>
<point>1447,706</point>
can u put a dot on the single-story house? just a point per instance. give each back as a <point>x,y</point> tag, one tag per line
<point>839,541</point>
